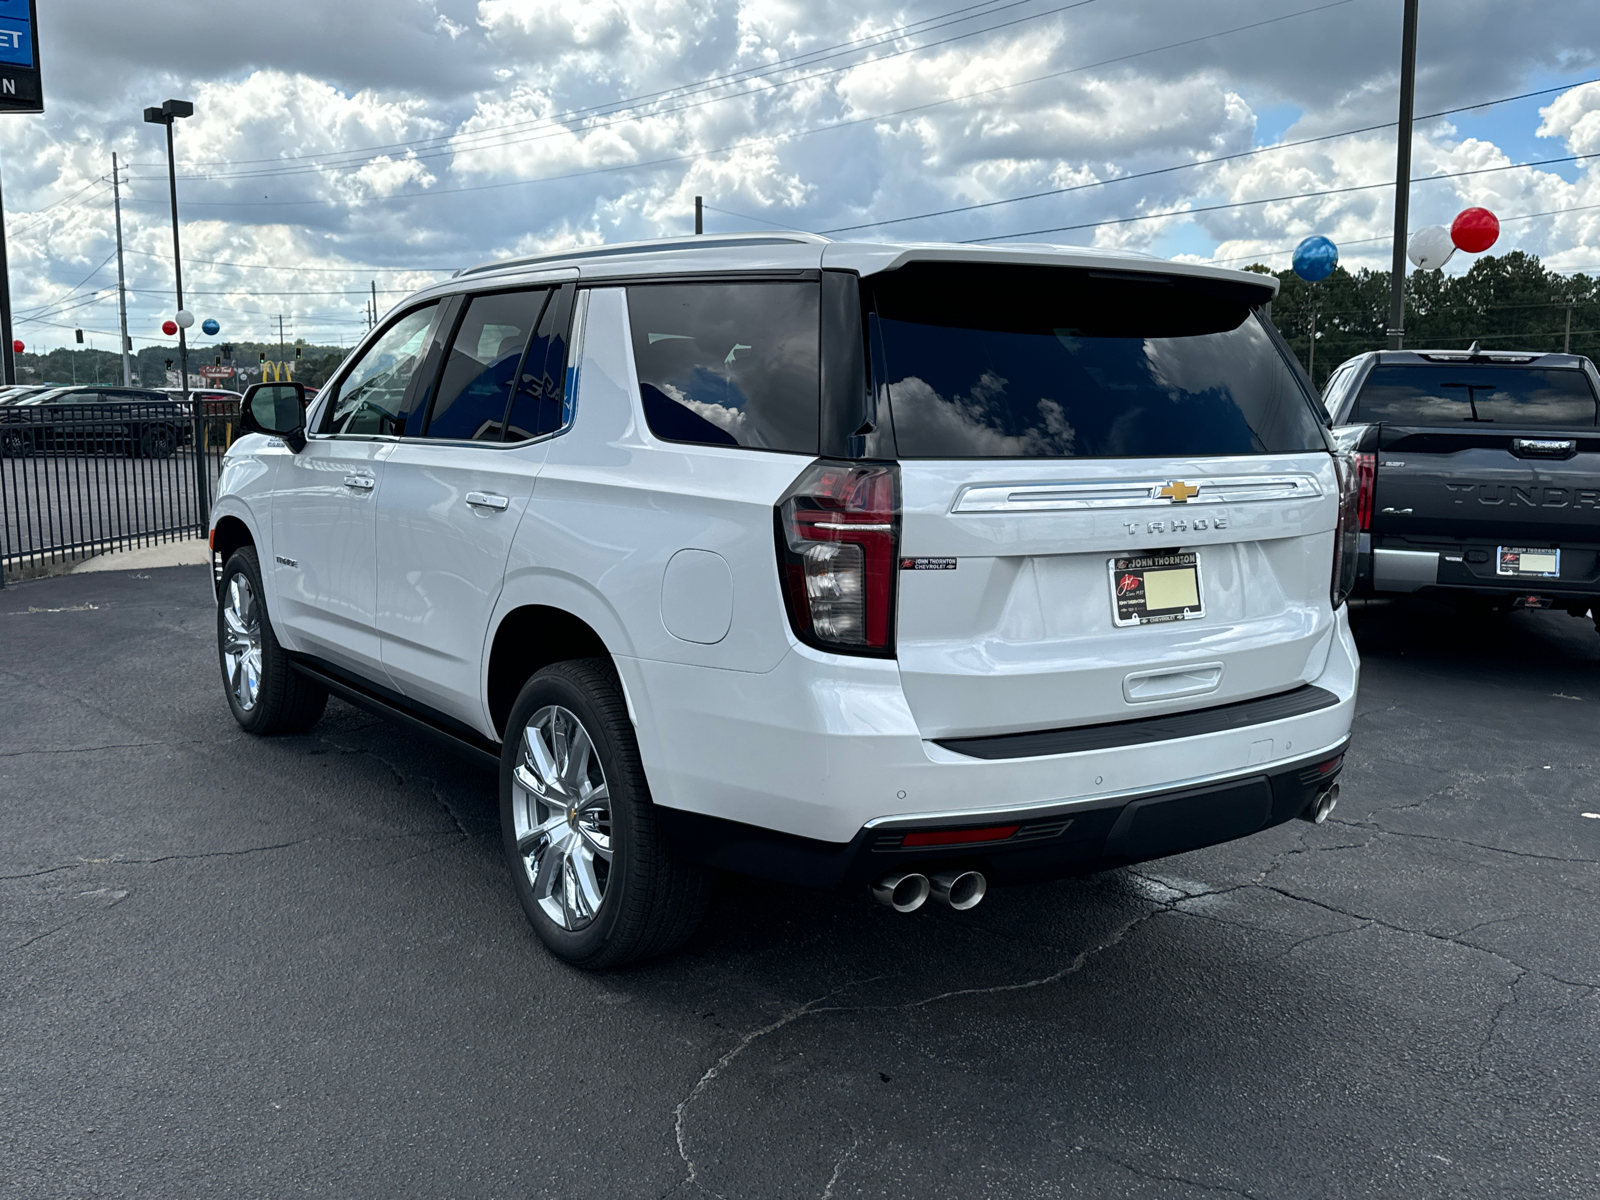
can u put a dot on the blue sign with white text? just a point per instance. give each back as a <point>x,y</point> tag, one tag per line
<point>19,63</point>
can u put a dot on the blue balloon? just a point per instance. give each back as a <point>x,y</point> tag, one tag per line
<point>1315,258</point>
<point>211,328</point>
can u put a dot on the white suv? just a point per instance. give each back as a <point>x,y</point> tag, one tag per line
<point>917,567</point>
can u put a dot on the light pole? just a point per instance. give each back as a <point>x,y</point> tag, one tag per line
<point>166,115</point>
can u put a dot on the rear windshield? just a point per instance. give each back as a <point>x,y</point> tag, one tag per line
<point>1042,362</point>
<point>1446,394</point>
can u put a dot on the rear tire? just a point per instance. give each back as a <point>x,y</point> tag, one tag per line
<point>591,869</point>
<point>267,695</point>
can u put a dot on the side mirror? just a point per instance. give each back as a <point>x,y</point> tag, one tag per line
<point>277,409</point>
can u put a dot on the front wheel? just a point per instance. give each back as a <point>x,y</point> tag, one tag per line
<point>15,443</point>
<point>158,441</point>
<point>267,695</point>
<point>594,876</point>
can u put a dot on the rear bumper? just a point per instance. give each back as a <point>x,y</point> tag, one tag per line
<point>1393,570</point>
<point>1046,845</point>
<point>824,750</point>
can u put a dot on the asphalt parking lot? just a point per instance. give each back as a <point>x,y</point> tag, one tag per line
<point>296,967</point>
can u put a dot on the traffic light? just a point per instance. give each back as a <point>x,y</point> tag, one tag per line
<point>227,351</point>
<point>79,332</point>
<point>169,364</point>
<point>297,351</point>
<point>218,360</point>
<point>263,356</point>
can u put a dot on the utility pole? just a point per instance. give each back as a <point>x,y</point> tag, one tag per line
<point>1402,178</point>
<point>122,283</point>
<point>280,341</point>
<point>1566,342</point>
<point>699,216</point>
<point>374,303</point>
<point>1311,356</point>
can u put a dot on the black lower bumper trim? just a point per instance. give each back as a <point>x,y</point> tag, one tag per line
<point>1134,830</point>
<point>1143,730</point>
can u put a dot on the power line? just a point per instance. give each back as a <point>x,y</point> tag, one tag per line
<point>763,141</point>
<point>1360,187</point>
<point>557,129</point>
<point>1204,162</point>
<point>639,99</point>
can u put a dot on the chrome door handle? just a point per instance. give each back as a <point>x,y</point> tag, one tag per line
<point>364,482</point>
<point>485,500</point>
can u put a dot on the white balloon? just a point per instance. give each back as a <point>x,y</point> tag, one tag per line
<point>185,318</point>
<point>1430,248</point>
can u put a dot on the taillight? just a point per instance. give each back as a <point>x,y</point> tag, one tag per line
<point>838,535</point>
<point>1367,483</point>
<point>1347,536</point>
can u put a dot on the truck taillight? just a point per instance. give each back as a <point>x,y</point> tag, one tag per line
<point>1367,485</point>
<point>1347,535</point>
<point>838,537</point>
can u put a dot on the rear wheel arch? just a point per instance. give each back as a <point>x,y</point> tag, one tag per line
<point>529,639</point>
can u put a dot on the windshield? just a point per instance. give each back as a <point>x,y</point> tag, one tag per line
<point>1044,362</point>
<point>1449,393</point>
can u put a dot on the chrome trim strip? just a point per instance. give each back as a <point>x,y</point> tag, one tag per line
<point>1404,570</point>
<point>1045,808</point>
<point>1139,493</point>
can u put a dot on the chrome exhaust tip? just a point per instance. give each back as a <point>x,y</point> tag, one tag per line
<point>959,890</point>
<point>1319,809</point>
<point>904,892</point>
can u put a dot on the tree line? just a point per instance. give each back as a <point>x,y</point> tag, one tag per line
<point>68,366</point>
<point>1504,302</point>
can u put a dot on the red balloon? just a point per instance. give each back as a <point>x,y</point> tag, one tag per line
<point>1474,230</point>
<point>16,347</point>
<point>169,327</point>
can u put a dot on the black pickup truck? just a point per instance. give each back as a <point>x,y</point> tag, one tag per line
<point>1479,473</point>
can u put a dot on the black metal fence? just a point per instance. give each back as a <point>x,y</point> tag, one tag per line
<point>81,479</point>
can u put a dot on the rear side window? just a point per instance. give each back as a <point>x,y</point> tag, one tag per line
<point>729,364</point>
<point>540,404</point>
<point>1042,362</point>
<point>485,353</point>
<point>1448,394</point>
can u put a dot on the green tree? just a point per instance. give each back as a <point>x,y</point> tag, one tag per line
<point>1504,302</point>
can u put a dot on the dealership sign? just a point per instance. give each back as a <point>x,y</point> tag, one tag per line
<point>19,57</point>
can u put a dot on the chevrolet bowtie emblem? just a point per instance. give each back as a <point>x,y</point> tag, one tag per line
<point>1178,492</point>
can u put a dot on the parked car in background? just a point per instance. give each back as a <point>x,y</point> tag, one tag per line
<point>913,567</point>
<point>215,402</point>
<point>1479,474</point>
<point>95,420</point>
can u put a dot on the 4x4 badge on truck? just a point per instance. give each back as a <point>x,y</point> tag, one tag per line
<point>1177,491</point>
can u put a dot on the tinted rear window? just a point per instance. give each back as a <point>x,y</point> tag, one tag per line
<point>729,364</point>
<point>1043,362</point>
<point>1448,394</point>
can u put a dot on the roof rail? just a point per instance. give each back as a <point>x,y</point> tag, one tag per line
<point>655,246</point>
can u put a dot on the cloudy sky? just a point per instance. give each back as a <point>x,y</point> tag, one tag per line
<point>338,142</point>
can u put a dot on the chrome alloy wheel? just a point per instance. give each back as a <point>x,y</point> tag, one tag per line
<point>241,642</point>
<point>561,812</point>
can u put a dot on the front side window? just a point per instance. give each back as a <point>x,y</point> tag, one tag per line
<point>729,364</point>
<point>1447,394</point>
<point>371,400</point>
<point>484,355</point>
<point>984,361</point>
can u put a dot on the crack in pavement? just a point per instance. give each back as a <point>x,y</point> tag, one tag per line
<point>1164,1178</point>
<point>838,1164</point>
<point>1434,837</point>
<point>149,862</point>
<point>95,749</point>
<point>817,1006</point>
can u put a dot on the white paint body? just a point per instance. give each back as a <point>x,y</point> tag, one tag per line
<point>667,551</point>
